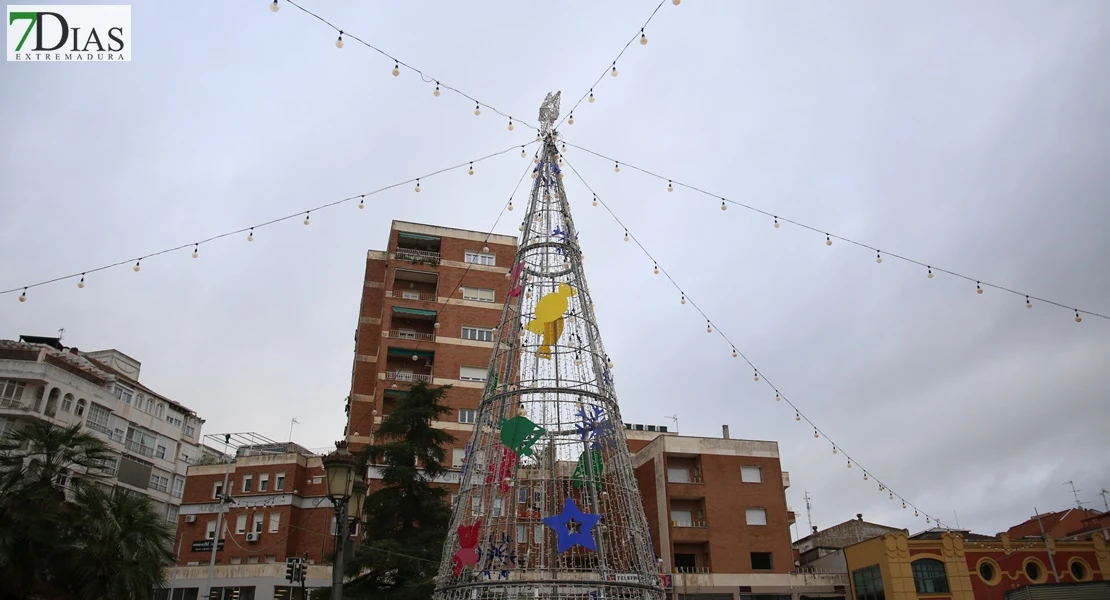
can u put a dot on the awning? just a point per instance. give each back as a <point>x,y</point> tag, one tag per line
<point>406,353</point>
<point>393,394</point>
<point>416,236</point>
<point>416,312</point>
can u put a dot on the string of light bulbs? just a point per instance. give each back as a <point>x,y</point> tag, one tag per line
<point>466,271</point>
<point>306,213</point>
<point>777,220</point>
<point>612,69</point>
<point>758,374</point>
<point>399,64</point>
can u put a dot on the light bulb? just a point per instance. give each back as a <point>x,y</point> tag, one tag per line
<point>927,521</point>
<point>881,487</point>
<point>670,186</point>
<point>865,475</point>
<point>797,416</point>
<point>528,294</point>
<point>1078,319</point>
<point>915,512</point>
<point>485,248</point>
<point>81,284</point>
<point>522,153</point>
<point>878,257</point>
<point>626,235</point>
<point>23,296</point>
<point>510,204</point>
<point>616,167</point>
<point>708,327</point>
<point>930,274</point>
<point>608,363</point>
<point>418,185</point>
<point>520,228</point>
<point>834,449</point>
<point>1028,303</point>
<point>436,91</point>
<point>757,375</point>
<point>274,6</point>
<point>903,505</point>
<point>510,124</point>
<point>815,434</point>
<point>250,236</point>
<point>306,219</point>
<point>362,203</point>
<point>735,353</point>
<point>477,109</point>
<point>978,288</point>
<point>828,241</point>
<point>776,222</point>
<point>196,251</point>
<point>676,2</point>
<point>683,301</point>
<point>723,205</point>
<point>777,397</point>
<point>595,201</point>
<point>849,464</point>
<point>578,362</point>
<point>891,495</point>
<point>564,148</point>
<point>415,357</point>
<point>136,267</point>
<point>536,160</point>
<point>570,120</point>
<point>614,71</point>
<point>396,69</point>
<point>471,170</point>
<point>590,98</point>
<point>643,38</point>
<point>656,270</point>
<point>339,41</point>
<point>436,325</point>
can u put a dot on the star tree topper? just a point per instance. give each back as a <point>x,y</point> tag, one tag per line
<point>572,526</point>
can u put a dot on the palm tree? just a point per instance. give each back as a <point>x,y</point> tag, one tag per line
<point>98,546</point>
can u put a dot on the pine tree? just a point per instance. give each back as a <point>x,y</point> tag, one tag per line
<point>407,517</point>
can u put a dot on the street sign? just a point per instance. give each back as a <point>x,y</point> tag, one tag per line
<point>206,546</point>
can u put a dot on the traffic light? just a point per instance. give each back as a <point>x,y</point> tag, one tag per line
<point>291,570</point>
<point>301,568</point>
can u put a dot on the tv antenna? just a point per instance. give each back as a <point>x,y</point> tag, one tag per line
<point>673,418</point>
<point>61,333</point>
<point>1104,503</point>
<point>1075,492</point>
<point>809,511</point>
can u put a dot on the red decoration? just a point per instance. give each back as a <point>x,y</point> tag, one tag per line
<point>468,547</point>
<point>500,470</point>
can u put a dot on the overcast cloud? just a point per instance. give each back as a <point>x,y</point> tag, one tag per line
<point>972,136</point>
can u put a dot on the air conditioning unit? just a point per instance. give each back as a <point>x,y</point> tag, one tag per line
<point>252,536</point>
<point>190,518</point>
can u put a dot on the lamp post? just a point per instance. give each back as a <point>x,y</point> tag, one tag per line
<point>340,468</point>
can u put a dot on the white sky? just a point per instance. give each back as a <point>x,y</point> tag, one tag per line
<point>971,137</point>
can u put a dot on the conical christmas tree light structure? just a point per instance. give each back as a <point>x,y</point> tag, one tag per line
<point>548,505</point>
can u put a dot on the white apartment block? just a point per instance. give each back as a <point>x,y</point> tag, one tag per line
<point>152,438</point>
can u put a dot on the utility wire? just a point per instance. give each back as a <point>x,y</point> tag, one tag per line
<point>737,353</point>
<point>301,213</point>
<point>427,78</point>
<point>980,284</point>
<point>613,66</point>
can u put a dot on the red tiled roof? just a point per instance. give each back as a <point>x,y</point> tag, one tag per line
<point>1056,524</point>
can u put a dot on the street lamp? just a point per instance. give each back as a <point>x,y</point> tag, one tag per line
<point>341,468</point>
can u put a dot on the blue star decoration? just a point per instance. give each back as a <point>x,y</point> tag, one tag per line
<point>572,526</point>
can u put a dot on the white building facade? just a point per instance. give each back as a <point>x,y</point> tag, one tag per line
<point>152,438</point>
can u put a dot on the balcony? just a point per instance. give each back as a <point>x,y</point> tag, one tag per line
<point>412,324</point>
<point>409,334</point>
<point>414,285</point>
<point>13,404</point>
<point>417,249</point>
<point>138,448</point>
<point>412,295</point>
<point>400,366</point>
<point>408,376</point>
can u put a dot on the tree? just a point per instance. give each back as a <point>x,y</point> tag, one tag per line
<point>407,517</point>
<point>47,543</point>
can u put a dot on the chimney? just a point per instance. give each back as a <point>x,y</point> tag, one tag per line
<point>814,529</point>
<point>859,517</point>
<point>724,431</point>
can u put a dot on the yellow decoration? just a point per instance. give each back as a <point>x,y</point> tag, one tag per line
<point>551,333</point>
<point>551,308</point>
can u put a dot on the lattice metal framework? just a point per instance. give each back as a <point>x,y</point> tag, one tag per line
<point>548,432</point>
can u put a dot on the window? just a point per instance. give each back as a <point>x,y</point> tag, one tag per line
<point>458,456</point>
<point>67,402</point>
<point>217,490</point>
<point>275,522</point>
<point>235,560</point>
<point>751,474</point>
<point>189,431</point>
<point>755,516</point>
<point>467,415</point>
<point>682,518</point>
<point>479,258</point>
<point>522,495</point>
<point>538,534</point>
<point>241,524</point>
<point>678,475</point>
<point>497,507</point>
<point>521,534</point>
<point>160,451</point>
<point>472,374</point>
<point>247,483</point>
<point>761,561</point>
<point>80,407</point>
<point>172,420</point>
<point>160,411</point>
<point>257,523</point>
<point>124,395</point>
<point>271,558</point>
<point>480,334</point>
<point>98,419</point>
<point>929,576</point>
<point>479,294</point>
<point>264,482</point>
<point>868,582</point>
<point>171,513</point>
<point>1078,569</point>
<point>178,486</point>
<point>210,530</point>
<point>988,571</point>
<point>476,505</point>
<point>252,560</point>
<point>1033,571</point>
<point>11,392</point>
<point>279,482</point>
<point>160,483</point>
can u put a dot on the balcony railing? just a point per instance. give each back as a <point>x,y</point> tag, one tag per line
<point>98,427</point>
<point>425,256</point>
<point>406,376</point>
<point>698,524</point>
<point>688,478</point>
<point>692,569</point>
<point>12,403</point>
<point>412,295</point>
<point>408,334</point>
<point>137,447</point>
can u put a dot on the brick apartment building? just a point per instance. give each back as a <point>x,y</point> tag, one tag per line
<point>430,303</point>
<point>280,510</point>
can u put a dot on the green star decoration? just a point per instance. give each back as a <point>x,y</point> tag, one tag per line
<point>519,434</point>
